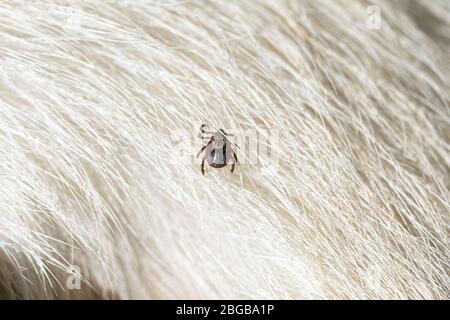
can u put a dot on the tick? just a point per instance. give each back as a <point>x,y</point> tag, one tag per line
<point>219,150</point>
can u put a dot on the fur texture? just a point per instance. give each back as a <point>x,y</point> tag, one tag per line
<point>99,105</point>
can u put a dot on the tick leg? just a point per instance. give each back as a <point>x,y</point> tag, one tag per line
<point>234,162</point>
<point>204,134</point>
<point>204,147</point>
<point>203,165</point>
<point>203,131</point>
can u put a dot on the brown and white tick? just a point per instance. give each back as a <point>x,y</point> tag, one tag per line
<point>219,150</point>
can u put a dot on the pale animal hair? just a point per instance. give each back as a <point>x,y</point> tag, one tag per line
<point>93,95</point>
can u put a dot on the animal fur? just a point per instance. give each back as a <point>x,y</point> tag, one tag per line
<point>100,105</point>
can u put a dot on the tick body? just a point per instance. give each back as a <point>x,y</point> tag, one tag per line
<point>219,151</point>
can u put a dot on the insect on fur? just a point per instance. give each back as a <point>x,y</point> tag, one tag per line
<point>219,151</point>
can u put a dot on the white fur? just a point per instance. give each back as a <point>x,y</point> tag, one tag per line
<point>93,94</point>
